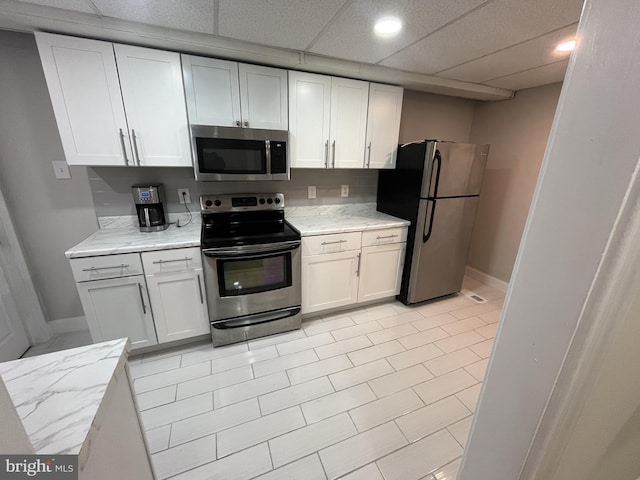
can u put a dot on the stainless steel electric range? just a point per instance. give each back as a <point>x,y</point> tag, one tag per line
<point>252,264</point>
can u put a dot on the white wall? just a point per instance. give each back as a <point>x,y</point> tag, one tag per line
<point>49,215</point>
<point>588,165</point>
<point>517,130</point>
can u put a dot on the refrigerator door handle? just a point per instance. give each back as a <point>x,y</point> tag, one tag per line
<point>425,237</point>
<point>438,161</point>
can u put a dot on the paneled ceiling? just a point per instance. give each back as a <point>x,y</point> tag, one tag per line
<point>499,43</point>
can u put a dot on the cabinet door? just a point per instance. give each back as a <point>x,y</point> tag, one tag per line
<point>329,281</point>
<point>85,94</point>
<point>349,100</point>
<point>153,94</point>
<point>383,125</point>
<point>309,116</point>
<point>380,271</point>
<point>212,91</point>
<point>179,304</point>
<point>118,308</point>
<point>263,97</point>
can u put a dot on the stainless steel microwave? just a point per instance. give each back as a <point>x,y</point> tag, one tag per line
<point>239,154</point>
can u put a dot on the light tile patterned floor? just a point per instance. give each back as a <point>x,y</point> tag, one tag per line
<point>385,392</point>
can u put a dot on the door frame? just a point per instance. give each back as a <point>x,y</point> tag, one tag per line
<point>20,283</point>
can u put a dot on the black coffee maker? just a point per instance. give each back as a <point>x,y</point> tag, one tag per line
<point>148,199</point>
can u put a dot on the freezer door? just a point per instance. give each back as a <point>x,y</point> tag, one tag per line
<point>456,170</point>
<point>441,244</point>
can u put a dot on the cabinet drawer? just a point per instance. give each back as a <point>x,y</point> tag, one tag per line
<point>173,260</point>
<point>384,236</point>
<point>106,266</point>
<point>339,242</point>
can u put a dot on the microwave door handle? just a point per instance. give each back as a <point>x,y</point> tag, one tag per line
<point>267,147</point>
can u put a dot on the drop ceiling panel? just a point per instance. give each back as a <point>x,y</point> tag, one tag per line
<point>351,35</point>
<point>190,15</point>
<point>532,78</point>
<point>280,23</point>
<point>537,52</point>
<point>497,25</point>
<point>75,5</point>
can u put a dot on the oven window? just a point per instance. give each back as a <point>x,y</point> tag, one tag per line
<point>220,155</point>
<point>254,275</point>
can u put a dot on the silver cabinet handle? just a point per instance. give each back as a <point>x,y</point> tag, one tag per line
<point>200,289</point>
<point>185,259</point>
<point>124,150</point>
<point>144,307</point>
<point>369,155</point>
<point>333,154</point>
<point>386,236</point>
<point>92,269</point>
<point>246,124</point>
<point>358,269</point>
<point>237,123</point>
<point>326,154</point>
<point>332,243</point>
<point>135,145</point>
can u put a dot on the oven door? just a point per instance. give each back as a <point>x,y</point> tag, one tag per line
<point>251,279</point>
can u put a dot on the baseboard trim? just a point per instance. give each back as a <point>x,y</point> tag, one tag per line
<point>68,325</point>
<point>486,279</point>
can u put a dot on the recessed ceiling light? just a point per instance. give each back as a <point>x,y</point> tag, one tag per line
<point>566,46</point>
<point>388,26</point>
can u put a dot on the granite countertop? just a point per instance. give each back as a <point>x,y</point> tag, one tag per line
<point>328,219</point>
<point>57,395</point>
<point>121,234</point>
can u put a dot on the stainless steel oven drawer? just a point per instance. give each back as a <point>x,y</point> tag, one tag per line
<point>247,327</point>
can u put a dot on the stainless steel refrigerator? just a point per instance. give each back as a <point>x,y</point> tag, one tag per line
<point>436,186</point>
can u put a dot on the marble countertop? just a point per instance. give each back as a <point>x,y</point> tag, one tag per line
<point>57,395</point>
<point>129,238</point>
<point>329,219</point>
<point>121,235</point>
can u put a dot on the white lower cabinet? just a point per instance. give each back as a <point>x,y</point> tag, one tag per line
<point>176,288</point>
<point>344,269</point>
<point>118,308</point>
<point>380,271</point>
<point>329,280</point>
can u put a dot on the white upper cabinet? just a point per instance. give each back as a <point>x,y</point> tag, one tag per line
<point>263,97</point>
<point>85,93</point>
<point>229,94</point>
<point>213,91</point>
<point>383,125</point>
<point>327,121</point>
<point>309,116</point>
<point>153,93</point>
<point>348,125</point>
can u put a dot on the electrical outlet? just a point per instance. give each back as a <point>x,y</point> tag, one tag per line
<point>311,191</point>
<point>184,196</point>
<point>61,169</point>
<point>344,191</point>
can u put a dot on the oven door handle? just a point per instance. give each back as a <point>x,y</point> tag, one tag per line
<point>250,251</point>
<point>251,320</point>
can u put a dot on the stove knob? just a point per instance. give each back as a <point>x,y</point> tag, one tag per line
<point>217,203</point>
<point>261,201</point>
<point>277,200</point>
<point>269,200</point>
<point>208,203</point>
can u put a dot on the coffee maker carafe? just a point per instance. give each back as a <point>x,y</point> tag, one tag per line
<point>148,199</point>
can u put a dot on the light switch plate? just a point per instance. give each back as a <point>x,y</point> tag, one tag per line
<point>61,169</point>
<point>344,191</point>
<point>311,191</point>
